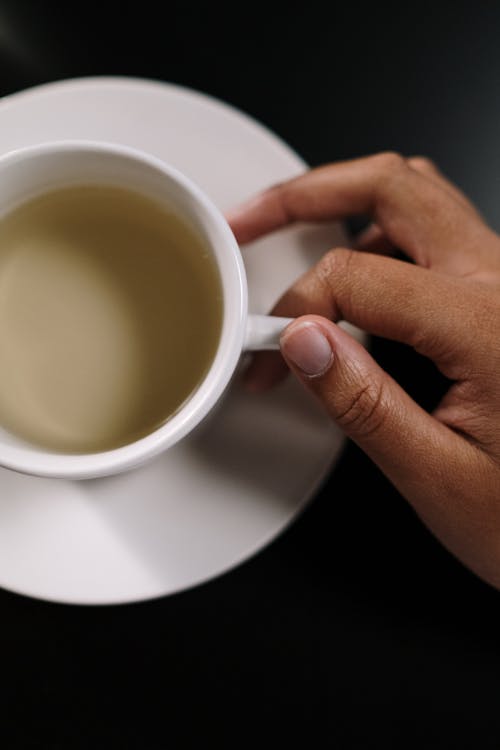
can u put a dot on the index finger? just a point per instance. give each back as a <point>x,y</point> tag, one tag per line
<point>416,213</point>
<point>429,311</point>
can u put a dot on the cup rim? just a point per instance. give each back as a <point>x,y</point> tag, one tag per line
<point>36,461</point>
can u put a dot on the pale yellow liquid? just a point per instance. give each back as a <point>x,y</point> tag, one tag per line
<point>110,316</point>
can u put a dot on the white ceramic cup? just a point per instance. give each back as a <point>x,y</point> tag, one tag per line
<point>29,172</point>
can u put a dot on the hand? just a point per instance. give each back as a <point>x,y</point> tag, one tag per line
<point>446,306</point>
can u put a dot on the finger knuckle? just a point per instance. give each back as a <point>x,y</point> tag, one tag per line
<point>389,162</point>
<point>336,262</point>
<point>280,194</point>
<point>365,412</point>
<point>334,276</point>
<point>422,163</point>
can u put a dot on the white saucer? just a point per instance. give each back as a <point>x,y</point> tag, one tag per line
<point>219,497</point>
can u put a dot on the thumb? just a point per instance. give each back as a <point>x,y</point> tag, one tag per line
<point>366,403</point>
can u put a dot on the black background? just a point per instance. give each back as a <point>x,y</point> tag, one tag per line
<point>355,629</point>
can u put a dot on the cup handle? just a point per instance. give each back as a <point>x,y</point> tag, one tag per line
<point>263,332</point>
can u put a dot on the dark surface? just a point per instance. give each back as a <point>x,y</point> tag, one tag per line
<point>355,629</point>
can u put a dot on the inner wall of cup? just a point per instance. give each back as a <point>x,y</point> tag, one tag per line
<point>27,177</point>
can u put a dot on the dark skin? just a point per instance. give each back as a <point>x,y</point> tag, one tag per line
<point>446,305</point>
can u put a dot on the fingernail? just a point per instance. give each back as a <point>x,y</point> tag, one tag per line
<point>307,347</point>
